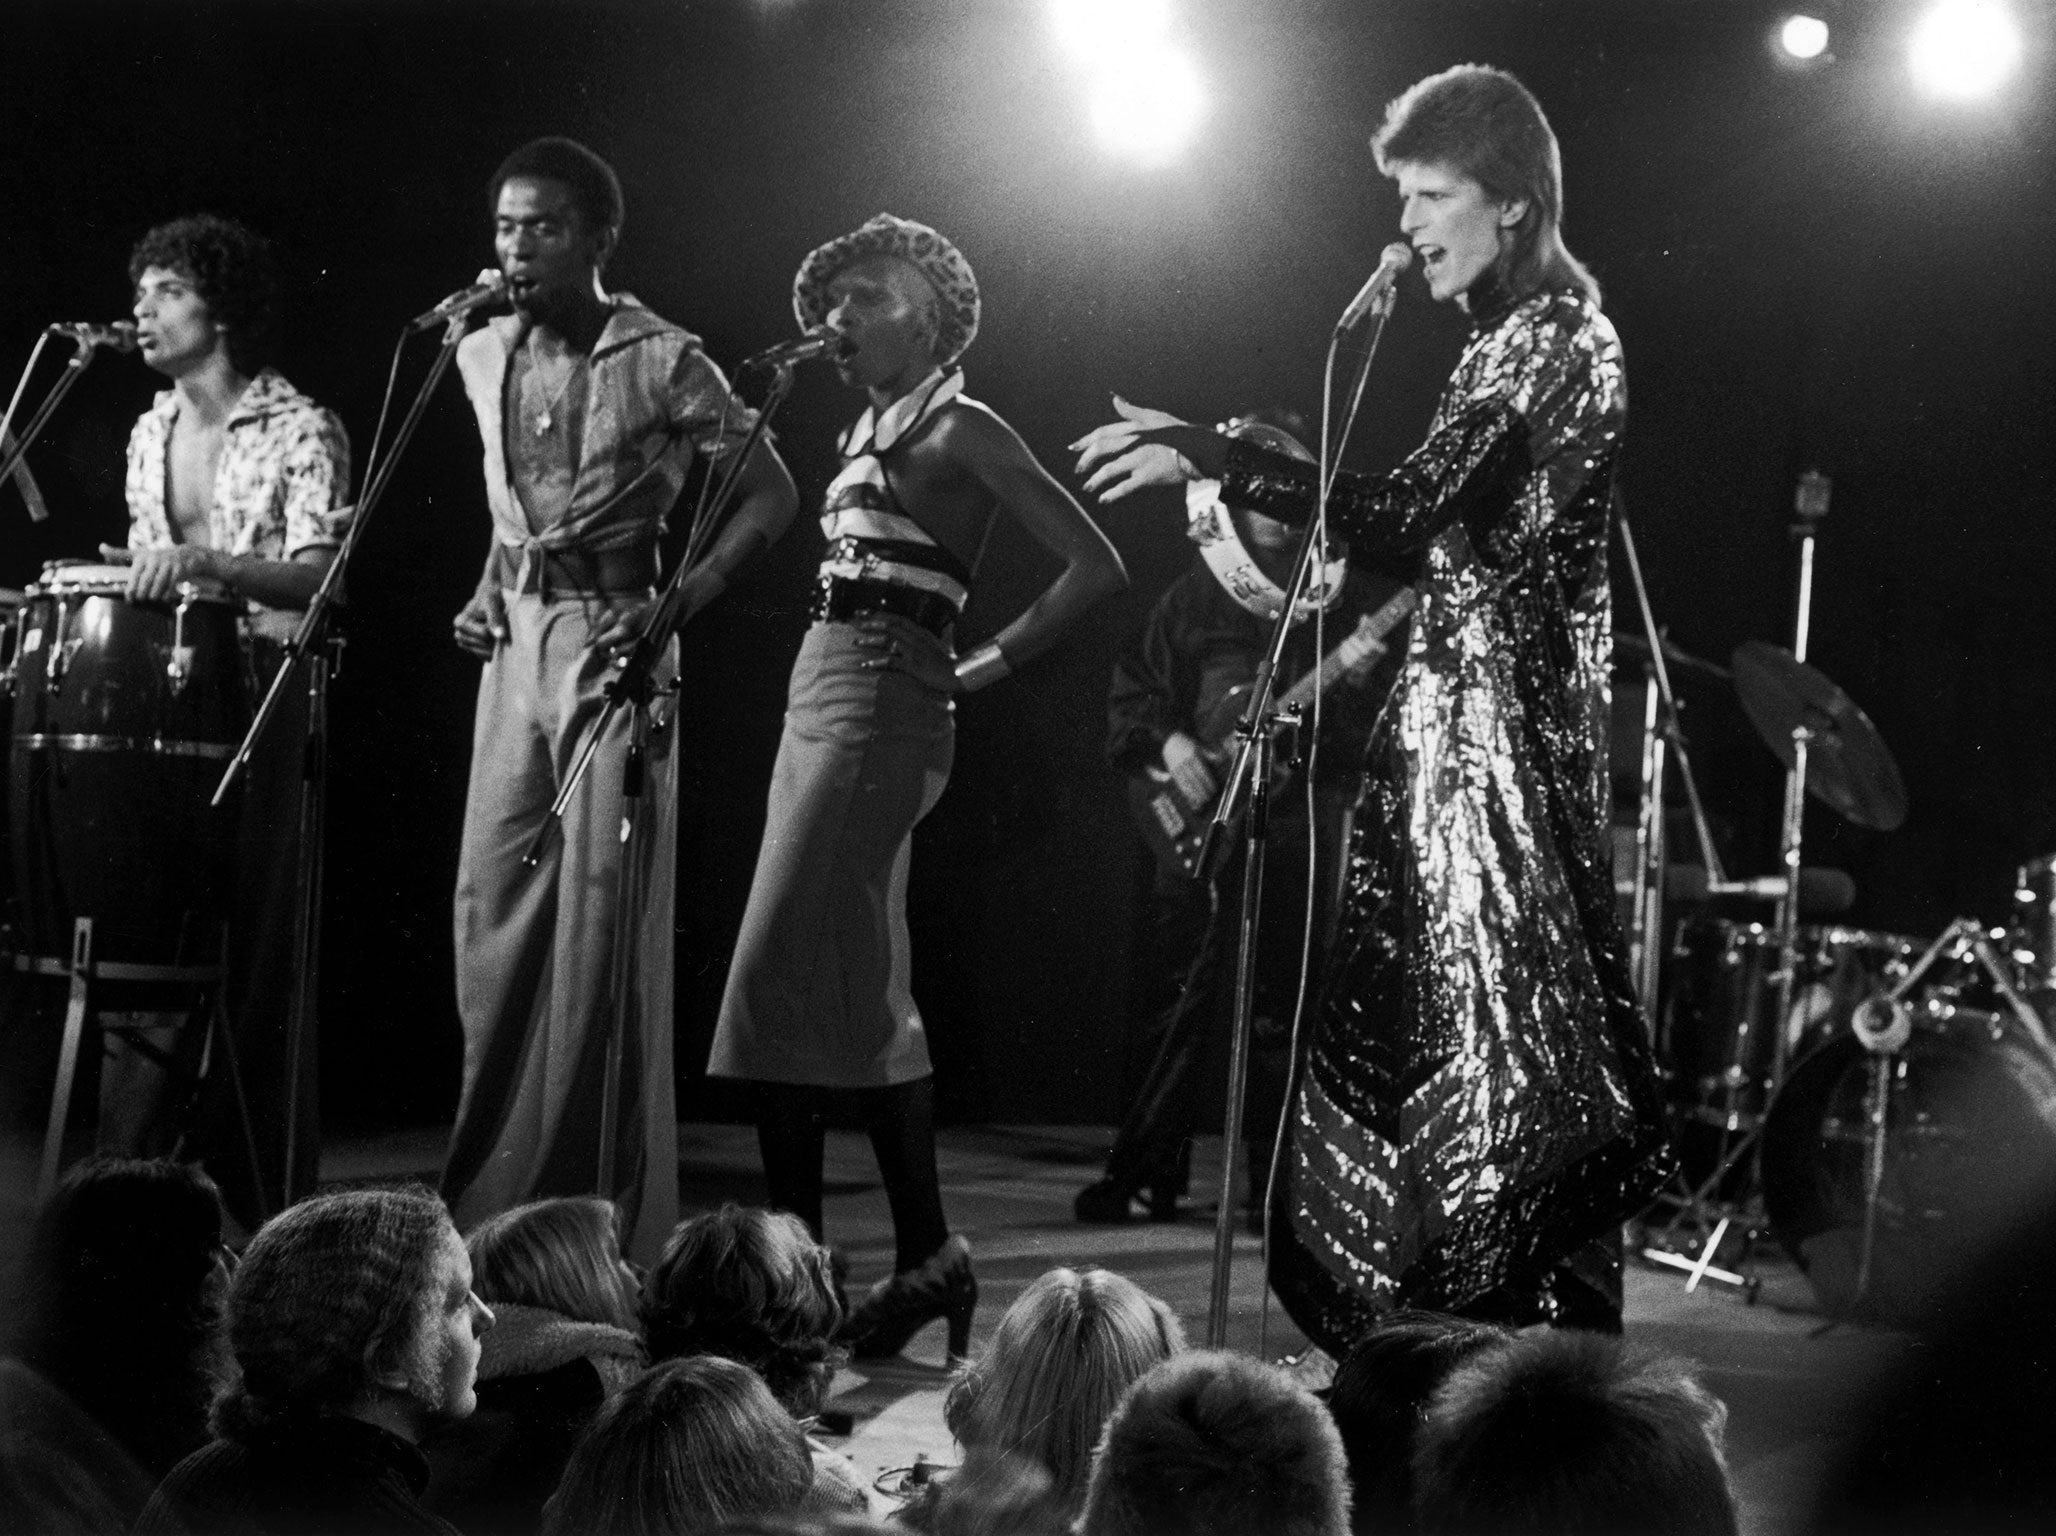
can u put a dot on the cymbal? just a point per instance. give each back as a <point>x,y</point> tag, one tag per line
<point>1848,765</point>
<point>1637,645</point>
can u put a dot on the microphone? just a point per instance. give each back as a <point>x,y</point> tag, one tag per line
<point>83,334</point>
<point>490,287</point>
<point>829,344</point>
<point>1396,258</point>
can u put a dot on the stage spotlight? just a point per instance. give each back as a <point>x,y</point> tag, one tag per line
<point>1146,110</point>
<point>1964,50</point>
<point>1803,37</point>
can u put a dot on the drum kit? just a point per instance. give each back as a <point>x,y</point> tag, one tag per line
<point>1872,1101</point>
<point>124,715</point>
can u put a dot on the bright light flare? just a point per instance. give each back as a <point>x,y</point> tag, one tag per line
<point>1803,37</point>
<point>1148,110</point>
<point>1104,33</point>
<point>1964,50</point>
<point>1146,96</point>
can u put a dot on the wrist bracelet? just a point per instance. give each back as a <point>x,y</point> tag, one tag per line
<point>983,667</point>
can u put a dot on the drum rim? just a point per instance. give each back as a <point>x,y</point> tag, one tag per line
<point>89,578</point>
<point>1861,938</point>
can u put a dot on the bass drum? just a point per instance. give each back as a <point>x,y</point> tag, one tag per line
<point>1968,1136</point>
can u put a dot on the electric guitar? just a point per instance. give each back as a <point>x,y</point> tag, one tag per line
<point>1172,822</point>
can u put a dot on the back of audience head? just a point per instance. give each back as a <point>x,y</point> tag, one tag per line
<point>749,1285</point>
<point>358,1304</point>
<point>1067,1349</point>
<point>1567,1433</point>
<point>122,1299</point>
<point>688,1445</point>
<point>1216,1444</point>
<point>562,1255</point>
<point>1379,1395</point>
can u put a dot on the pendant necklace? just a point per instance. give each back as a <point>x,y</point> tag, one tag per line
<point>546,416</point>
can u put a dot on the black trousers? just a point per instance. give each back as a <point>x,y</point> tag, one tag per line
<point>1181,997</point>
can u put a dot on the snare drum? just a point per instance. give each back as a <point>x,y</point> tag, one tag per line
<point>125,715</point>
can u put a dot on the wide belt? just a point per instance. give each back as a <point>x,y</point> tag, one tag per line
<point>549,573</point>
<point>839,597</point>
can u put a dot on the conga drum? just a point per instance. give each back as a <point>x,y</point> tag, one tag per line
<point>125,716</point>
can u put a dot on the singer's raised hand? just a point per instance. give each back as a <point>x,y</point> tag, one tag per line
<point>1144,448</point>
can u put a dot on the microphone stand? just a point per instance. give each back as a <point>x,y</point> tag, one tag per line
<point>634,688</point>
<point>313,644</point>
<point>1250,777</point>
<point>14,449</point>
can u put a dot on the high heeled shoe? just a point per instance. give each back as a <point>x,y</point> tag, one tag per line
<point>1110,1203</point>
<point>894,1310</point>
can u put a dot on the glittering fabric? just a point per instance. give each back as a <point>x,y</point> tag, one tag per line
<point>1478,1105</point>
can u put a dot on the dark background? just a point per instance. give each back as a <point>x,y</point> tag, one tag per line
<point>1808,268</point>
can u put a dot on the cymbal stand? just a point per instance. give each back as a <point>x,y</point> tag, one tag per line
<point>1691,1239</point>
<point>1809,506</point>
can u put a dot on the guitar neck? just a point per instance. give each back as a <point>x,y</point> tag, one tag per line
<point>1369,631</point>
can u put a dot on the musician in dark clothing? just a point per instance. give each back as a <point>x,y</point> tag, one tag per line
<point>1176,696</point>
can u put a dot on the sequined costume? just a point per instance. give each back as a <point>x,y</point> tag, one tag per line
<point>1479,1105</point>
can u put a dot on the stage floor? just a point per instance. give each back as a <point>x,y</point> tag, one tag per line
<point>1793,1386</point>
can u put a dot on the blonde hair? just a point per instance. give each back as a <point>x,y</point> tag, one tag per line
<point>564,1255</point>
<point>1059,1362</point>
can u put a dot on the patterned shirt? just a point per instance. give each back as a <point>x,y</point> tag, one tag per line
<point>278,489</point>
<point>652,398</point>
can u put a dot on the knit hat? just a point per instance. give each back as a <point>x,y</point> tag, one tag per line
<point>956,287</point>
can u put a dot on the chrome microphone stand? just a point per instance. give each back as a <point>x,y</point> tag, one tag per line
<point>1249,777</point>
<point>88,341</point>
<point>317,647</point>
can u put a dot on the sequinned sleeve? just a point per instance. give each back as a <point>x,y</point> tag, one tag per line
<point>1536,393</point>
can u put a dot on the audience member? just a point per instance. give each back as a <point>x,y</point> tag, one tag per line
<point>1572,1434</point>
<point>565,1338</point>
<point>121,1302</point>
<point>689,1445</point>
<point>1379,1395</point>
<point>1059,1361</point>
<point>60,1473</point>
<point>753,1286</point>
<point>990,1495</point>
<point>1215,1444</point>
<point>352,1330</point>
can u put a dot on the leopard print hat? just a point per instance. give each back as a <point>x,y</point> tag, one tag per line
<point>921,247</point>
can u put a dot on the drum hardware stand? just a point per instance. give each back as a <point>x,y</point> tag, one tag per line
<point>1699,1207</point>
<point>1662,733</point>
<point>634,687</point>
<point>81,970</point>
